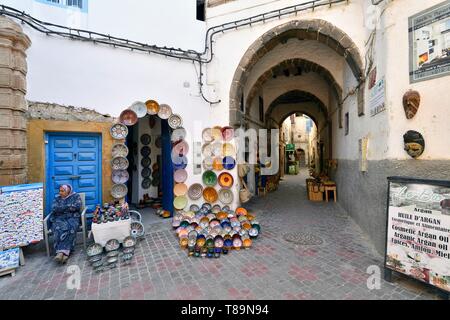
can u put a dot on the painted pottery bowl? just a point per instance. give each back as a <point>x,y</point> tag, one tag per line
<point>95,258</point>
<point>229,163</point>
<point>178,135</point>
<point>139,108</point>
<point>226,196</point>
<point>114,253</point>
<point>152,107</point>
<point>226,180</point>
<point>127,256</point>
<point>228,150</point>
<point>241,211</point>
<point>97,264</point>
<point>146,173</point>
<point>210,194</point>
<point>128,117</point>
<point>146,183</point>
<point>165,111</point>
<point>227,133</point>
<point>146,162</point>
<point>194,207</point>
<point>180,202</point>
<point>180,148</point>
<point>146,151</point>
<point>137,229</point>
<point>217,164</point>
<point>207,135</point>
<point>119,163</point>
<point>112,260</point>
<point>208,163</point>
<point>216,133</point>
<point>129,242</point>
<point>119,150</point>
<point>146,139</point>
<point>94,250</point>
<point>175,121</point>
<point>253,232</point>
<point>119,131</point>
<point>112,245</point>
<point>217,149</point>
<point>247,243</point>
<point>207,206</point>
<point>215,209</point>
<point>118,191</point>
<point>207,150</point>
<point>180,189</point>
<point>120,176</point>
<point>221,215</point>
<point>209,178</point>
<point>180,162</point>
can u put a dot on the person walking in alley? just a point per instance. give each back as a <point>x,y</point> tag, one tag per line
<point>65,220</point>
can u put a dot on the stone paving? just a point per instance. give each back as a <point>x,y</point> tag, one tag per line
<point>334,267</point>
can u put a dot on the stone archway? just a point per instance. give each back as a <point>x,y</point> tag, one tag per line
<point>316,29</point>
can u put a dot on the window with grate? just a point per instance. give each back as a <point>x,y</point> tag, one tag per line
<point>79,4</point>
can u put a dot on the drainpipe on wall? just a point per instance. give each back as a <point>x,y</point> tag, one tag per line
<point>13,106</point>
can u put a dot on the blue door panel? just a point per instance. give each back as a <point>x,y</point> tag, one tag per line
<point>87,156</point>
<point>74,159</point>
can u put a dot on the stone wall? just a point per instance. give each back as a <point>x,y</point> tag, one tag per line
<point>52,111</point>
<point>364,195</point>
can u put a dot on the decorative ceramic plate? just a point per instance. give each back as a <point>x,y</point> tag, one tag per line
<point>229,163</point>
<point>128,117</point>
<point>146,172</point>
<point>134,215</point>
<point>207,150</point>
<point>165,111</point>
<point>140,108</point>
<point>128,250</point>
<point>180,162</point>
<point>94,250</point>
<point>137,229</point>
<point>146,151</point>
<point>146,162</point>
<point>120,176</point>
<point>207,135</point>
<point>146,139</point>
<point>209,178</point>
<point>217,164</point>
<point>217,133</point>
<point>155,182</point>
<point>129,242</point>
<point>119,131</point>
<point>175,121</point>
<point>180,189</point>
<point>158,142</point>
<point>119,150</point>
<point>146,183</point>
<point>226,196</point>
<point>217,149</point>
<point>112,260</point>
<point>127,257</point>
<point>180,202</point>
<point>195,192</point>
<point>208,163</point>
<point>111,254</point>
<point>119,163</point>
<point>227,133</point>
<point>228,150</point>
<point>210,195</point>
<point>96,258</point>
<point>118,191</point>
<point>194,207</point>
<point>178,134</point>
<point>180,176</point>
<point>181,148</point>
<point>226,180</point>
<point>156,174</point>
<point>152,107</point>
<point>97,265</point>
<point>112,245</point>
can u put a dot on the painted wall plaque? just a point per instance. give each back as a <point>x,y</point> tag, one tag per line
<point>411,103</point>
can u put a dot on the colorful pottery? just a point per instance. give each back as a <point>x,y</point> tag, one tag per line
<point>119,191</point>
<point>209,178</point>
<point>119,150</point>
<point>208,163</point>
<point>229,163</point>
<point>175,121</point>
<point>217,149</point>
<point>146,151</point>
<point>178,135</point>
<point>195,192</point>
<point>226,196</point>
<point>165,111</point>
<point>180,148</point>
<point>120,176</point>
<point>146,162</point>
<point>216,133</point>
<point>207,150</point>
<point>180,176</point>
<point>217,164</point>
<point>119,131</point>
<point>180,189</point>
<point>152,107</point>
<point>180,162</point>
<point>227,133</point>
<point>146,139</point>
<point>210,195</point>
<point>241,211</point>
<point>139,108</point>
<point>207,135</point>
<point>180,202</point>
<point>128,117</point>
<point>226,180</point>
<point>228,150</point>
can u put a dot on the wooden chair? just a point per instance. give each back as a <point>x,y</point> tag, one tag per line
<point>83,225</point>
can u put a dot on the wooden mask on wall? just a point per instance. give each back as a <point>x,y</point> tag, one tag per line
<point>414,144</point>
<point>411,103</point>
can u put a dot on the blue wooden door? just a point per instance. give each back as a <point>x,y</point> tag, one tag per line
<point>74,159</point>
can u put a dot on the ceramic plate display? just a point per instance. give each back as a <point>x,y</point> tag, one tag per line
<point>112,260</point>
<point>195,192</point>
<point>180,162</point>
<point>226,180</point>
<point>97,265</point>
<point>180,203</point>
<point>146,172</point>
<point>209,178</point>
<point>111,254</point>
<point>119,131</point>
<point>152,107</point>
<point>180,176</point>
<point>146,139</point>
<point>226,196</point>
<point>129,242</point>
<point>207,150</point>
<point>94,250</point>
<point>228,150</point>
<point>207,135</point>
<point>210,195</point>
<point>175,121</point>
<point>146,151</point>
<point>96,258</point>
<point>229,163</point>
<point>194,207</point>
<point>137,229</point>
<point>158,142</point>
<point>118,191</point>
<point>120,176</point>
<point>146,183</point>
<point>134,215</point>
<point>140,108</point>
<point>129,250</point>
<point>217,149</point>
<point>178,134</point>
<point>181,148</point>
<point>119,163</point>
<point>119,150</point>
<point>112,245</point>
<point>128,117</point>
<point>208,163</point>
<point>227,133</point>
<point>180,189</point>
<point>217,164</point>
<point>216,133</point>
<point>146,162</point>
<point>165,111</point>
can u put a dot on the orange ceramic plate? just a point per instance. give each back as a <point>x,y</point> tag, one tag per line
<point>226,180</point>
<point>152,107</point>
<point>241,212</point>
<point>180,189</point>
<point>210,195</point>
<point>217,164</point>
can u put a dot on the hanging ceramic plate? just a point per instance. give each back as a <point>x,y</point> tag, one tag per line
<point>119,191</point>
<point>119,131</point>
<point>217,164</point>
<point>181,148</point>
<point>228,150</point>
<point>120,176</point>
<point>165,111</point>
<point>140,108</point>
<point>180,189</point>
<point>194,207</point>
<point>217,149</point>
<point>146,139</point>
<point>227,133</point>
<point>146,173</point>
<point>119,163</point>
<point>226,196</point>
<point>180,163</point>
<point>226,180</point>
<point>210,195</point>
<point>128,117</point>
<point>146,151</point>
<point>208,163</point>
<point>207,135</point>
<point>178,135</point>
<point>207,150</point>
<point>152,107</point>
<point>216,133</point>
<point>229,163</point>
<point>158,142</point>
<point>175,121</point>
<point>180,203</point>
<point>146,162</point>
<point>209,178</point>
<point>146,183</point>
<point>119,150</point>
<point>155,182</point>
<point>180,176</point>
<point>195,192</point>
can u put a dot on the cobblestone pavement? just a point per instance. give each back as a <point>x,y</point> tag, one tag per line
<point>334,267</point>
